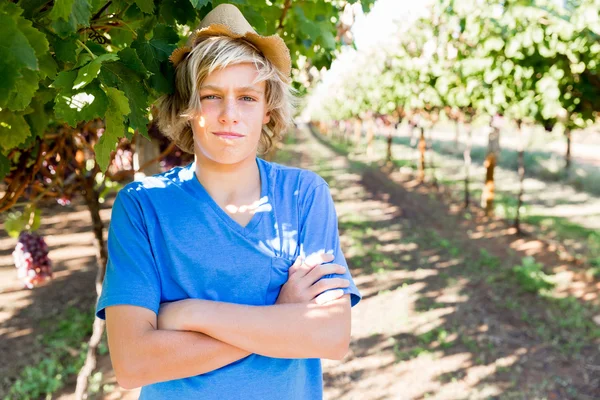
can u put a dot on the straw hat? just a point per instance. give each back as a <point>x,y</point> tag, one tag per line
<point>227,20</point>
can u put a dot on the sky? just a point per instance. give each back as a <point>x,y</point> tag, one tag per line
<point>383,18</point>
<point>375,28</point>
<point>369,30</point>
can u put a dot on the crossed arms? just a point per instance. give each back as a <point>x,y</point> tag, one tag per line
<point>193,336</point>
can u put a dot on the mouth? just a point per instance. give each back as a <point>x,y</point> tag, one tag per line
<point>228,135</point>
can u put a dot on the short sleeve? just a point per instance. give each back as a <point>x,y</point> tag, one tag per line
<point>131,273</point>
<point>319,232</point>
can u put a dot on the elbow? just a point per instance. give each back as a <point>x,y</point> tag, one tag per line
<point>339,348</point>
<point>128,373</point>
<point>130,381</point>
<point>336,343</point>
<point>125,383</point>
<point>126,380</point>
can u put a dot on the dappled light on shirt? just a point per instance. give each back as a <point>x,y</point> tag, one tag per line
<point>151,182</point>
<point>285,240</point>
<point>260,205</point>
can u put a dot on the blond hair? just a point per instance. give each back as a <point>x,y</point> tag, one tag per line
<point>175,110</point>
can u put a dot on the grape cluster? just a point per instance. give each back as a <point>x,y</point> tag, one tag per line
<point>31,259</point>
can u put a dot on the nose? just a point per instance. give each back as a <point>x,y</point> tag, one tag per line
<point>229,112</point>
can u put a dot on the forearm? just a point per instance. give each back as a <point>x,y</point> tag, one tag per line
<point>282,330</point>
<point>163,355</point>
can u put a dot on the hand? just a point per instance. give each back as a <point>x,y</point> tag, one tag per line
<point>172,315</point>
<point>302,275</point>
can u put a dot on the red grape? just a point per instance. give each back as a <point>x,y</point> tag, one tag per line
<point>31,259</point>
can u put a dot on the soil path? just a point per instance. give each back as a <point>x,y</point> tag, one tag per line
<point>435,322</point>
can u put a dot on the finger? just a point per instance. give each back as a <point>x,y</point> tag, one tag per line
<point>309,263</point>
<point>299,269</point>
<point>329,296</point>
<point>324,269</point>
<point>295,266</point>
<point>328,283</point>
<point>318,258</point>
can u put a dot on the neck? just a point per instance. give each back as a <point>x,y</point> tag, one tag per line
<point>230,184</point>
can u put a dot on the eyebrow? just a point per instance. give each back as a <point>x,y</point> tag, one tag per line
<point>239,89</point>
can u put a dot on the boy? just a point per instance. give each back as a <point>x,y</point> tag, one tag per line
<point>225,277</point>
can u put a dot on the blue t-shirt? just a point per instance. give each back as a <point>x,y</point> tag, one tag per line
<point>169,240</point>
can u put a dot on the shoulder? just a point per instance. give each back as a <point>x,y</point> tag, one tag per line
<point>158,185</point>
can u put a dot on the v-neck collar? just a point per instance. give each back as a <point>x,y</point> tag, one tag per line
<point>207,199</point>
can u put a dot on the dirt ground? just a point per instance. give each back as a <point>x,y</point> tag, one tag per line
<point>437,320</point>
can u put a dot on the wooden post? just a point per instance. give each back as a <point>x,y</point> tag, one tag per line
<point>467,158</point>
<point>370,135</point>
<point>521,170</point>
<point>488,194</point>
<point>146,150</point>
<point>568,154</point>
<point>422,149</point>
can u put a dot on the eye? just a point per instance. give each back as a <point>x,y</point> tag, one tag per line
<point>209,97</point>
<point>248,98</point>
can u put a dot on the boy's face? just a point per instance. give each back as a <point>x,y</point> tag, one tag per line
<point>228,128</point>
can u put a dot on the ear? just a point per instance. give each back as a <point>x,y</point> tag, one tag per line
<point>267,117</point>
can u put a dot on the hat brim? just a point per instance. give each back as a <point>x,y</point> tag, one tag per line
<point>273,47</point>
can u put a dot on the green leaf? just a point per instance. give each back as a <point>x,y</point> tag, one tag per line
<point>14,130</point>
<point>65,49</point>
<point>121,38</point>
<point>90,71</point>
<point>98,108</point>
<point>147,6</point>
<point>147,54</point>
<point>8,81</point>
<point>328,39</point>
<point>18,221</point>
<point>155,55</point>
<point>4,166</point>
<point>164,40</point>
<point>48,66</point>
<point>64,80</point>
<point>309,29</point>
<point>130,58</point>
<point>63,29</point>
<point>271,16</point>
<point>79,15</point>
<point>27,144</point>
<point>62,9</point>
<point>83,58</point>
<point>37,118</point>
<point>14,224</point>
<point>118,107</point>
<point>15,49</point>
<point>177,11</point>
<point>199,3</point>
<point>159,48</point>
<point>81,105</point>
<point>118,75</point>
<point>21,97</point>
<point>118,101</point>
<point>30,7</point>
<point>36,39</point>
<point>255,18</point>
